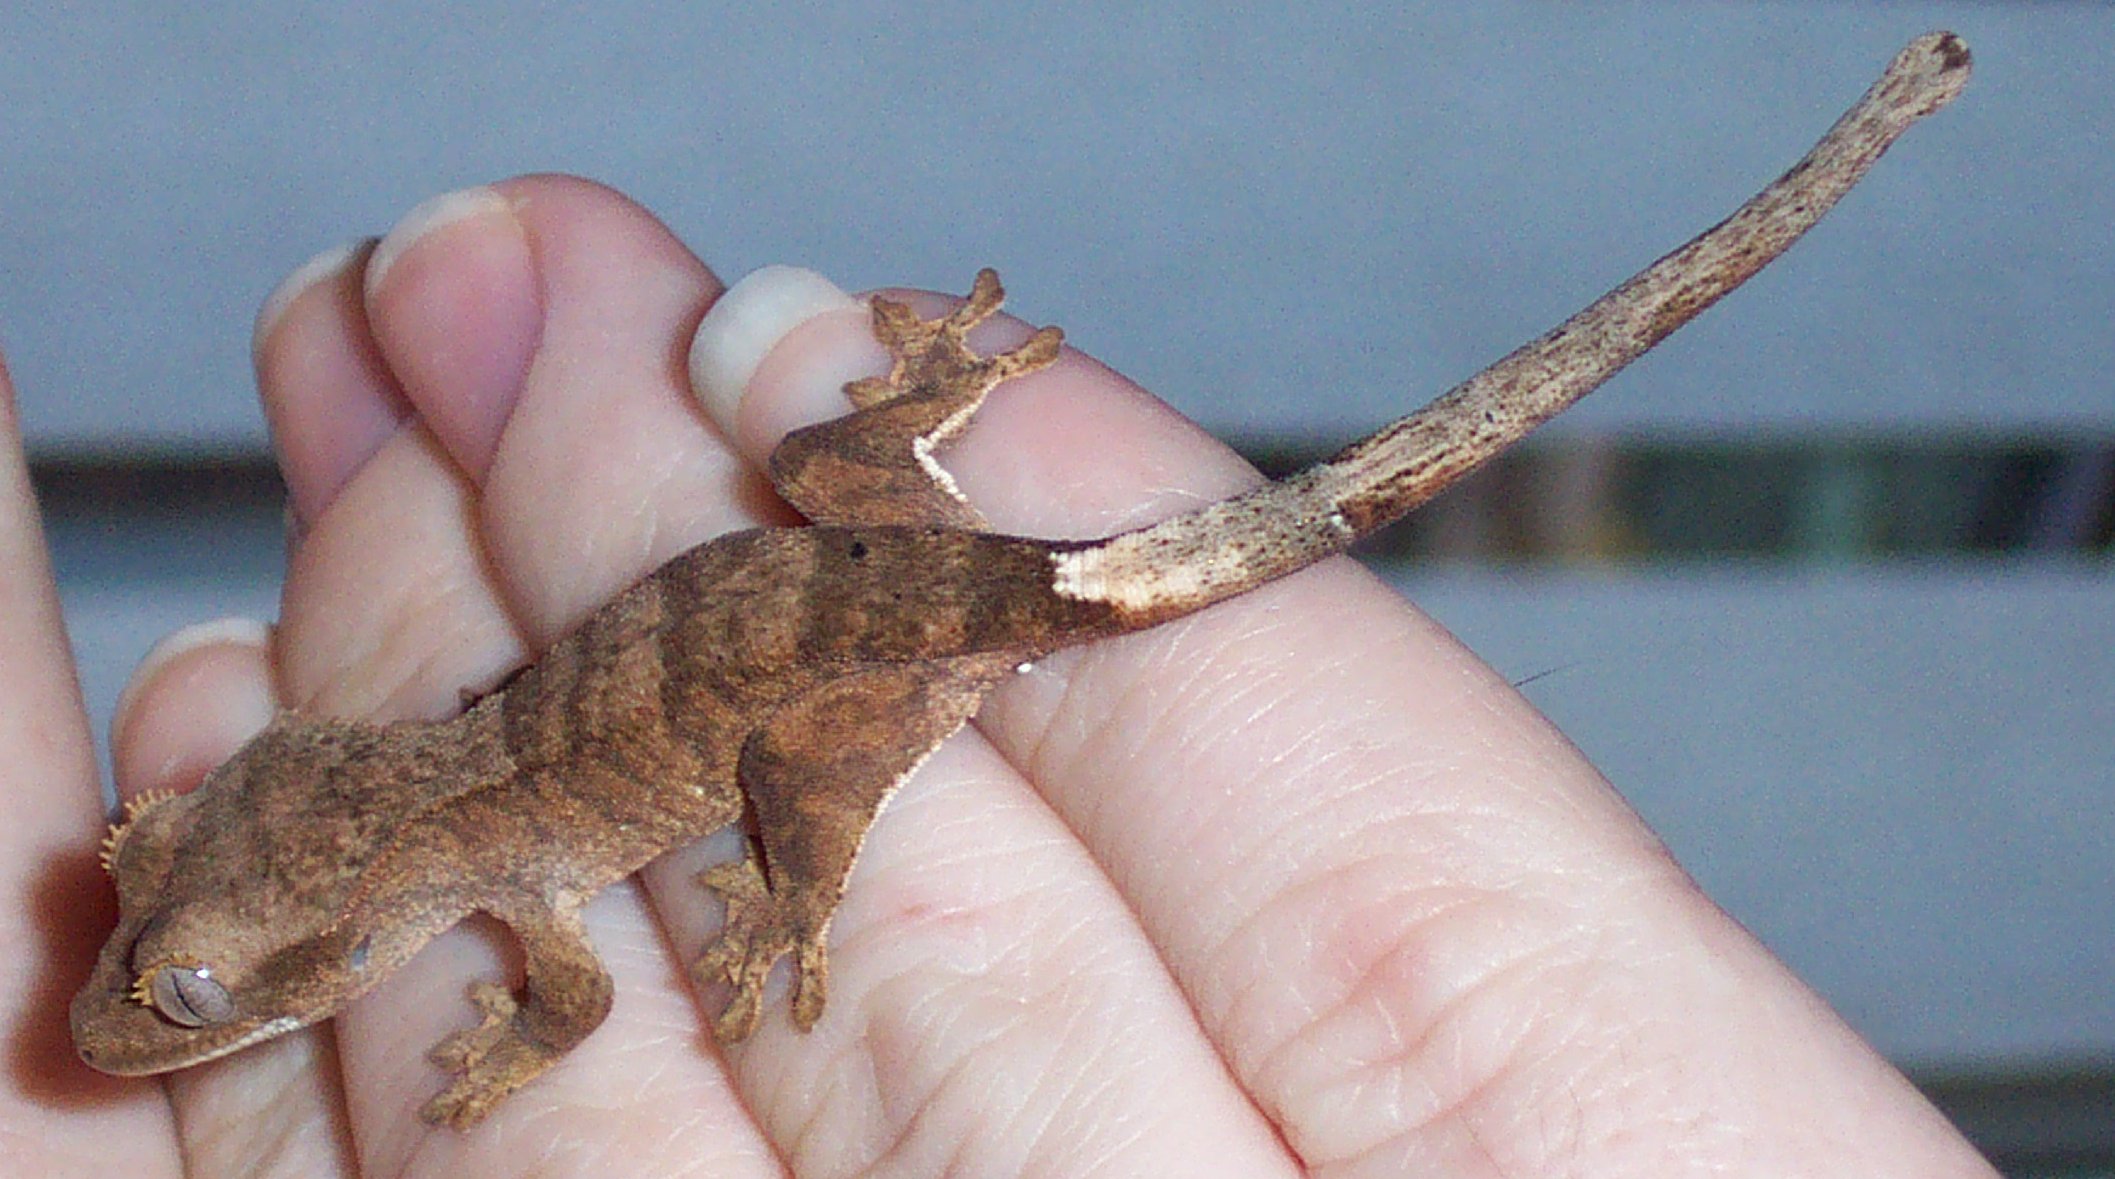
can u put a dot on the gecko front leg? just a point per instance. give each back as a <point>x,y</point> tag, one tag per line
<point>566,996</point>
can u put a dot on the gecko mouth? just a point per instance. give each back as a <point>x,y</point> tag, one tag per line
<point>129,1061</point>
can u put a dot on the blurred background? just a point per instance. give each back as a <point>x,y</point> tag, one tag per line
<point>1824,585</point>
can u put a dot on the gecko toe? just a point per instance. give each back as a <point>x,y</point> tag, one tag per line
<point>460,1052</point>
<point>760,929</point>
<point>811,984</point>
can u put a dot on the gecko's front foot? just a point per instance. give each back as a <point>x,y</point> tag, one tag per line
<point>488,1061</point>
<point>760,929</point>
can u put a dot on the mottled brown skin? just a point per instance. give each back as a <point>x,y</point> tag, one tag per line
<point>795,674</point>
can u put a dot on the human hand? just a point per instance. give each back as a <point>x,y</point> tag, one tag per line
<point>1292,883</point>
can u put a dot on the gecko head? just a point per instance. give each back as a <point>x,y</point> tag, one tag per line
<point>236,904</point>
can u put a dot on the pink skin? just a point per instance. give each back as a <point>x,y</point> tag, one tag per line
<point>1294,882</point>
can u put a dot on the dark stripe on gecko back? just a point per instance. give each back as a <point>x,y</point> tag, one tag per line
<point>916,593</point>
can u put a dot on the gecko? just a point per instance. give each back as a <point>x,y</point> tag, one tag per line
<point>786,678</point>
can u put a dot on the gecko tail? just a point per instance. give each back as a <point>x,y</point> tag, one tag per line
<point>1194,560</point>
<point>1377,480</point>
<point>1223,549</point>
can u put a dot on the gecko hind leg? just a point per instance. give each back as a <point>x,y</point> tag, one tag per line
<point>816,774</point>
<point>876,465</point>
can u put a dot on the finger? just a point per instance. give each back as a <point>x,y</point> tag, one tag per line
<point>406,592</point>
<point>334,404</point>
<point>470,365</point>
<point>336,410</point>
<point>595,468</point>
<point>59,1113</point>
<point>1405,910</point>
<point>196,696</point>
<point>388,613</point>
<point>980,961</point>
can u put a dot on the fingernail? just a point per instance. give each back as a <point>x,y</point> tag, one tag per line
<point>746,324</point>
<point>427,216</point>
<point>249,632</point>
<point>326,265</point>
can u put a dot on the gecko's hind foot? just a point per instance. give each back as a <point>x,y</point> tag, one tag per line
<point>932,357</point>
<point>760,929</point>
<point>880,465</point>
<point>902,332</point>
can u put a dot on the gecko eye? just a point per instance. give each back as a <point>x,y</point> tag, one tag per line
<point>184,994</point>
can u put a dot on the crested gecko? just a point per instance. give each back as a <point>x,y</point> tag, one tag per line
<point>792,676</point>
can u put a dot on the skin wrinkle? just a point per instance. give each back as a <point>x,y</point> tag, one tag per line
<point>1355,1000</point>
<point>1169,673</point>
<point>1308,756</point>
<point>413,695</point>
<point>1163,689</point>
<point>1055,841</point>
<point>1232,670</point>
<point>1274,838</point>
<point>798,1139</point>
<point>1475,1131</point>
<point>637,541</point>
<point>1520,1057</point>
<point>488,591</point>
<point>1265,858</point>
<point>262,1155</point>
<point>1291,907</point>
<point>1438,1118</point>
<point>1039,760</point>
<point>1057,749</point>
<point>1394,1092</point>
<point>655,533</point>
<point>1576,1137</point>
<point>902,1112</point>
<point>925,1108</point>
<point>1082,1087</point>
<point>1078,1115</point>
<point>1019,1123</point>
<point>1229,691</point>
<point>1644,1097</point>
<point>1266,1056</point>
<point>1064,941</point>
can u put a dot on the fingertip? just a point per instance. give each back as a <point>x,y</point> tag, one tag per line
<point>328,400</point>
<point>196,695</point>
<point>425,218</point>
<point>745,324</point>
<point>454,298</point>
<point>327,265</point>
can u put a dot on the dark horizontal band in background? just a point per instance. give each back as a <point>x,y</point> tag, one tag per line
<point>1574,501</point>
<point>1583,500</point>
